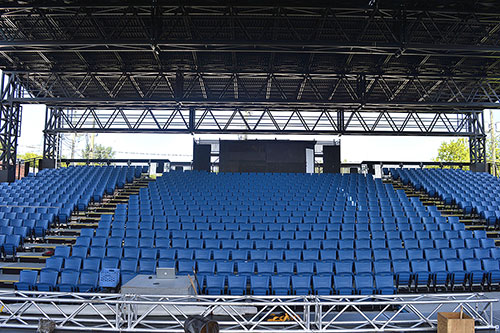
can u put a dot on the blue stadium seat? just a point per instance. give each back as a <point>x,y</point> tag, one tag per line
<point>343,284</point>
<point>215,284</point>
<point>457,273</point>
<point>69,281</point>
<point>384,283</point>
<point>88,281</point>
<point>27,280</point>
<point>322,284</point>
<point>364,284</point>
<point>237,285</point>
<point>47,281</point>
<point>280,284</point>
<point>301,284</point>
<point>259,284</point>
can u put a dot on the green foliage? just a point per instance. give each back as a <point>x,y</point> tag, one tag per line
<point>489,150</point>
<point>100,152</point>
<point>28,156</point>
<point>454,151</point>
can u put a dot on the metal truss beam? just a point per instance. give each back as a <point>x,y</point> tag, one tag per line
<point>10,123</point>
<point>133,46</point>
<point>145,313</point>
<point>385,90</point>
<point>272,120</point>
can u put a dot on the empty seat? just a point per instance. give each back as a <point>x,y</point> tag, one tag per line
<point>69,281</point>
<point>259,284</point>
<point>343,284</point>
<point>215,284</point>
<point>364,284</point>
<point>236,285</point>
<point>88,281</point>
<point>27,280</point>
<point>47,281</point>
<point>384,283</point>
<point>280,285</point>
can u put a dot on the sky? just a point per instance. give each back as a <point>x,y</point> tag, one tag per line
<point>179,147</point>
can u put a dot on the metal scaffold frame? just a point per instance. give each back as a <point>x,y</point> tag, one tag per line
<point>142,313</point>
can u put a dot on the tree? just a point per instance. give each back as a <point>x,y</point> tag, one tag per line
<point>454,151</point>
<point>100,152</point>
<point>29,156</point>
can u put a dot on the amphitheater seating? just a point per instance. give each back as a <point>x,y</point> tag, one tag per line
<point>282,234</point>
<point>31,205</point>
<point>472,192</point>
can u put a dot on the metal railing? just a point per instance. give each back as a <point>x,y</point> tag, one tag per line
<point>141,313</point>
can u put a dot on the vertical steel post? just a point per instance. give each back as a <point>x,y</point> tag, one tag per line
<point>10,125</point>
<point>51,138</point>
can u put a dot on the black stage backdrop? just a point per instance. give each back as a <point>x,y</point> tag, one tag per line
<point>263,155</point>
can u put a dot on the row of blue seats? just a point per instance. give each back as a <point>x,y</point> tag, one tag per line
<point>72,281</point>
<point>281,254</point>
<point>333,243</point>
<point>269,196</point>
<point>49,280</point>
<point>31,211</point>
<point>299,285</point>
<point>352,211</point>
<point>333,217</point>
<point>423,273</point>
<point>22,231</point>
<point>283,235</point>
<point>328,192</point>
<point>24,228</point>
<point>189,220</point>
<point>281,227</point>
<point>300,230</point>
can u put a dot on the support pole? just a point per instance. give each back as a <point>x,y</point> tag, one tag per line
<point>477,143</point>
<point>51,138</point>
<point>10,125</point>
<point>493,145</point>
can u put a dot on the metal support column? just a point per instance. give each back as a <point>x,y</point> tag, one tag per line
<point>52,138</point>
<point>477,143</point>
<point>10,126</point>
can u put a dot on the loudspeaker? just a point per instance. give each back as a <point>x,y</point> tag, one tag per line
<point>478,167</point>
<point>331,159</point>
<point>160,167</point>
<point>47,163</point>
<point>201,157</point>
<point>8,175</point>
